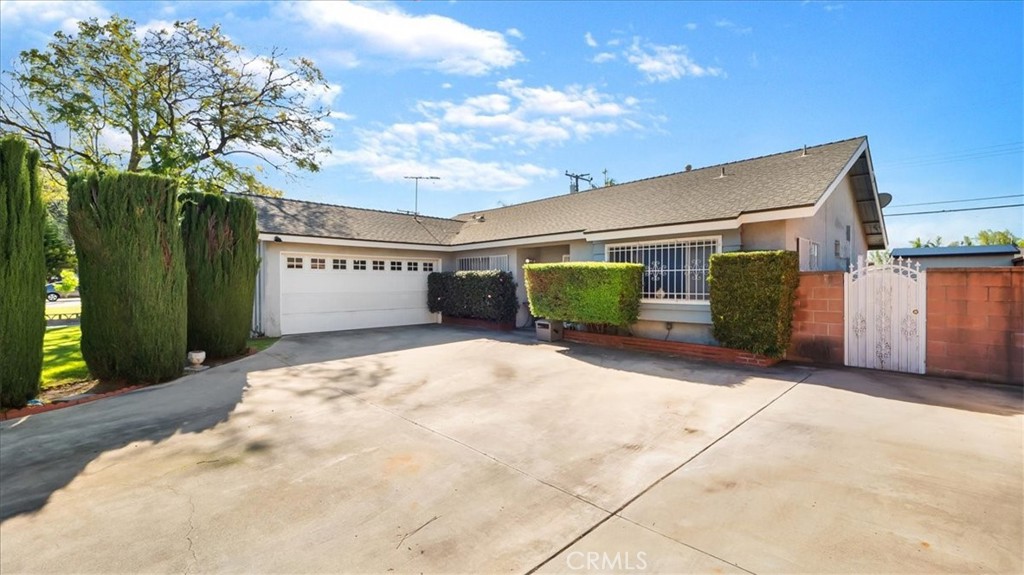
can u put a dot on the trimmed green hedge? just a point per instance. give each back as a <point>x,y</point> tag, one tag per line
<point>488,295</point>
<point>752,296</point>
<point>22,272</point>
<point>220,237</point>
<point>585,292</point>
<point>131,263</point>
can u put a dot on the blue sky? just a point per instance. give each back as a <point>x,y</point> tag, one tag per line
<point>499,99</point>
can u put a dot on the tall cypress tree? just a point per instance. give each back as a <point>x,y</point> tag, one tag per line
<point>132,270</point>
<point>220,245</point>
<point>22,273</point>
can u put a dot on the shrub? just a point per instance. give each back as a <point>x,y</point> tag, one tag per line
<point>752,296</point>
<point>220,240</point>
<point>132,267</point>
<point>22,272</point>
<point>68,282</point>
<point>585,292</point>
<point>487,295</point>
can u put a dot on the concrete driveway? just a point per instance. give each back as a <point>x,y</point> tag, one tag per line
<point>436,450</point>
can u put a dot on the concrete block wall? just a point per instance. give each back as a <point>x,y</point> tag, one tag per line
<point>818,329</point>
<point>975,324</point>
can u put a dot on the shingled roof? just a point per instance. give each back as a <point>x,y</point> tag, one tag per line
<point>779,181</point>
<point>793,179</point>
<point>312,219</point>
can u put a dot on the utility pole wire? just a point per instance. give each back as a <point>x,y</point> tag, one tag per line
<point>958,210</point>
<point>959,201</point>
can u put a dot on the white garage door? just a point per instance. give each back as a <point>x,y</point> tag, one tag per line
<point>332,292</point>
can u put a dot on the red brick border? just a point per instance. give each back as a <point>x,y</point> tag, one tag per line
<point>478,323</point>
<point>35,409</point>
<point>689,350</point>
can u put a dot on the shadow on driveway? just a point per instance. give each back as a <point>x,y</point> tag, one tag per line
<point>43,453</point>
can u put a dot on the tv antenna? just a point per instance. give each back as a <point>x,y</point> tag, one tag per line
<point>574,185</point>
<point>416,206</point>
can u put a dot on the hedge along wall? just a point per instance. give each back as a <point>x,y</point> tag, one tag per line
<point>220,240</point>
<point>132,270</point>
<point>752,295</point>
<point>22,273</point>
<point>487,295</point>
<point>585,292</point>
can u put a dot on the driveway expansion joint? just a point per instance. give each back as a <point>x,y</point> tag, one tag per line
<point>617,512</point>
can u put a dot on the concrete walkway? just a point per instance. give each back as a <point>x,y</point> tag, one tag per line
<point>441,450</point>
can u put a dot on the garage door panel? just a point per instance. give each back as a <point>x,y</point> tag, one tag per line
<point>336,321</point>
<point>316,300</point>
<point>300,281</point>
<point>334,302</point>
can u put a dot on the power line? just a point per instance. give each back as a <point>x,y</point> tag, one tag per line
<point>968,154</point>
<point>959,201</point>
<point>958,210</point>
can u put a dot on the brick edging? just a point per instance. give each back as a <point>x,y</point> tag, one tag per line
<point>689,350</point>
<point>35,409</point>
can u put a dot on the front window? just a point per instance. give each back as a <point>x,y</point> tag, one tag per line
<point>674,270</point>
<point>483,263</point>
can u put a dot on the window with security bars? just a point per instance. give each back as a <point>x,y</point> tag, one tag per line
<point>674,270</point>
<point>483,263</point>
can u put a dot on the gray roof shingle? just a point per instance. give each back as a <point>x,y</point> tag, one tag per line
<point>312,219</point>
<point>779,181</point>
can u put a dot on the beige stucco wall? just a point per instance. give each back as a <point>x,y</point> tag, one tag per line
<point>825,227</point>
<point>828,226</point>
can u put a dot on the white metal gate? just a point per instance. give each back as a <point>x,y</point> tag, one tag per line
<point>885,316</point>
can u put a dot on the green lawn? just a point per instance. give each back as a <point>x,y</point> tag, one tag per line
<point>262,343</point>
<point>62,357</point>
<point>52,310</point>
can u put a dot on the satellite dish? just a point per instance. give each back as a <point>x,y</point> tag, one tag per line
<point>884,199</point>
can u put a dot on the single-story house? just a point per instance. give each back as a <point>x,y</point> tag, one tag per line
<point>960,256</point>
<point>327,267</point>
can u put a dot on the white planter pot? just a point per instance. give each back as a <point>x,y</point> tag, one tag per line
<point>196,357</point>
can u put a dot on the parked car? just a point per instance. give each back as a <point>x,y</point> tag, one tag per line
<point>53,295</point>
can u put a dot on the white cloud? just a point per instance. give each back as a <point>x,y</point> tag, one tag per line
<point>603,57</point>
<point>447,86</point>
<point>429,41</point>
<point>161,26</point>
<point>661,63</point>
<point>589,39</point>
<point>691,26</point>
<point>343,116</point>
<point>515,33</point>
<point>35,12</point>
<point>613,42</point>
<point>733,27</point>
<point>467,142</point>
